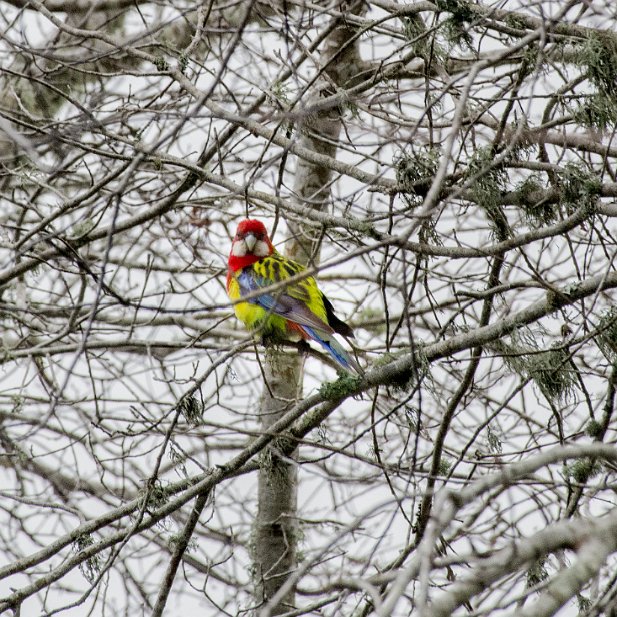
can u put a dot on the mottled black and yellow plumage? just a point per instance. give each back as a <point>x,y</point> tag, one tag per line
<point>276,269</point>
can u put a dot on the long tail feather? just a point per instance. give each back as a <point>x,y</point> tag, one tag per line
<point>334,348</point>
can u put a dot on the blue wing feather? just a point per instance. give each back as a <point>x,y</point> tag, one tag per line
<point>280,303</point>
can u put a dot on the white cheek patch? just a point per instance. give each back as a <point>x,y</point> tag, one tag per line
<point>261,249</point>
<point>238,248</point>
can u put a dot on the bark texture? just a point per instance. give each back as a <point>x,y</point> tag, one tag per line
<point>276,526</point>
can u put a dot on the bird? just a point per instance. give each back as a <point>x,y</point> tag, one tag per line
<point>288,311</point>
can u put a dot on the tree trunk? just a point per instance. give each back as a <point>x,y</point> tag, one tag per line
<point>275,536</point>
<point>276,526</point>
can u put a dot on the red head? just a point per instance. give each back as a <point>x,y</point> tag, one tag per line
<point>250,244</point>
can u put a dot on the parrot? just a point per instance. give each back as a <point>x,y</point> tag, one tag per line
<point>299,309</point>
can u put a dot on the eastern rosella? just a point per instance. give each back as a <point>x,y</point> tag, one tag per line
<point>299,308</point>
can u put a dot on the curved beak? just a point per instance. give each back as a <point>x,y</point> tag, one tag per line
<point>250,240</point>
